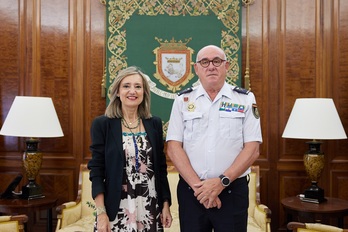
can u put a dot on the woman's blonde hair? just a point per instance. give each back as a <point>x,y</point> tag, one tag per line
<point>114,109</point>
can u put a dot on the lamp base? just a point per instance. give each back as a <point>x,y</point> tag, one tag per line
<point>314,161</point>
<point>32,191</point>
<point>314,194</point>
<point>32,160</point>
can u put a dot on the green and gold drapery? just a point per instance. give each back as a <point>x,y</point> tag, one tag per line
<point>162,37</point>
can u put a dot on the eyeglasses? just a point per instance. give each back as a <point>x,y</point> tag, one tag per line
<point>216,62</point>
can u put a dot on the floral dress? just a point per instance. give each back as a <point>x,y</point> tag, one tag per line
<point>139,211</point>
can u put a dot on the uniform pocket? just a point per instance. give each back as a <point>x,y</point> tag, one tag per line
<point>192,121</point>
<point>231,124</point>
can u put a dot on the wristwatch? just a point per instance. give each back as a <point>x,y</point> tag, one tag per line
<point>225,181</point>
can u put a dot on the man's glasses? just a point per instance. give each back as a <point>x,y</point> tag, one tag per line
<point>216,62</point>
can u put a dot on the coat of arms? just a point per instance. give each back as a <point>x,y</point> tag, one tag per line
<point>173,64</point>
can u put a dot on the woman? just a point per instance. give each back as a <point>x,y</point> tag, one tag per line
<point>128,168</point>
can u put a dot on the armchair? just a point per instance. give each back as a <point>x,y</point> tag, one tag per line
<point>259,218</point>
<point>13,223</point>
<point>313,227</point>
<point>78,215</point>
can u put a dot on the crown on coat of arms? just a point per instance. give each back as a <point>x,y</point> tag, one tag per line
<point>173,44</point>
<point>173,60</point>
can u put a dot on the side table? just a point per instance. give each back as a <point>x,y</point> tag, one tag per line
<point>28,207</point>
<point>311,212</point>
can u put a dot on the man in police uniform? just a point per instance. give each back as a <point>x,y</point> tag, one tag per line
<point>213,138</point>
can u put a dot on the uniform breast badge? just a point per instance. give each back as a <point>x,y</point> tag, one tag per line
<point>191,107</point>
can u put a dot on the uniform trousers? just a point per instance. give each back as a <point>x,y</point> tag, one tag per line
<point>231,217</point>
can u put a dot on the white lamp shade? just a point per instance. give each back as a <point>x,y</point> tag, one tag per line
<point>32,117</point>
<point>314,118</point>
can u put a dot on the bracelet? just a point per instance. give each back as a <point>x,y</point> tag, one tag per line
<point>100,210</point>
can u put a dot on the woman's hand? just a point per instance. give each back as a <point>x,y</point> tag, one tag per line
<point>103,224</point>
<point>166,217</point>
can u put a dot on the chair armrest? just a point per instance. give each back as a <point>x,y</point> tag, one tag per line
<point>262,215</point>
<point>322,227</point>
<point>5,218</point>
<point>22,218</point>
<point>13,223</point>
<point>66,205</point>
<point>68,213</point>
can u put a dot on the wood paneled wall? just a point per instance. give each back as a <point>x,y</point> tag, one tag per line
<point>56,48</point>
<point>298,49</point>
<point>53,48</point>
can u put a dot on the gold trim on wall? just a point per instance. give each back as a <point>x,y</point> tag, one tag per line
<point>247,83</point>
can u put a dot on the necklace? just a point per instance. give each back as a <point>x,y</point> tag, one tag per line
<point>130,123</point>
<point>125,124</point>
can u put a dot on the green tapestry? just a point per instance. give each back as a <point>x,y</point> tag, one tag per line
<point>163,37</point>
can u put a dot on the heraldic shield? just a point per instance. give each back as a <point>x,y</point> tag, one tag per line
<point>173,64</point>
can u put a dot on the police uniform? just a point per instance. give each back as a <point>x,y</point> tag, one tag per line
<point>214,132</point>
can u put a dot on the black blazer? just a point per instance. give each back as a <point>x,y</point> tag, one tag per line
<point>106,165</point>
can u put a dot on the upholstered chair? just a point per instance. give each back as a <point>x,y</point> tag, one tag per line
<point>78,215</point>
<point>13,223</point>
<point>259,218</point>
<point>313,227</point>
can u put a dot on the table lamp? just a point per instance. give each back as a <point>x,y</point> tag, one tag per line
<point>316,119</point>
<point>33,118</point>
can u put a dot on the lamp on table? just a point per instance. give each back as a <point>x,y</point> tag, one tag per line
<point>316,119</point>
<point>33,118</point>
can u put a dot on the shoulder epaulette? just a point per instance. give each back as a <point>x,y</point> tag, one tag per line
<point>241,90</point>
<point>185,91</point>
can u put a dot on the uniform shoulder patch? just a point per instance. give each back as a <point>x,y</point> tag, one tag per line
<point>185,91</point>
<point>256,111</point>
<point>241,90</point>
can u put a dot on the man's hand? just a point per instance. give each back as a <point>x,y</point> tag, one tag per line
<point>207,192</point>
